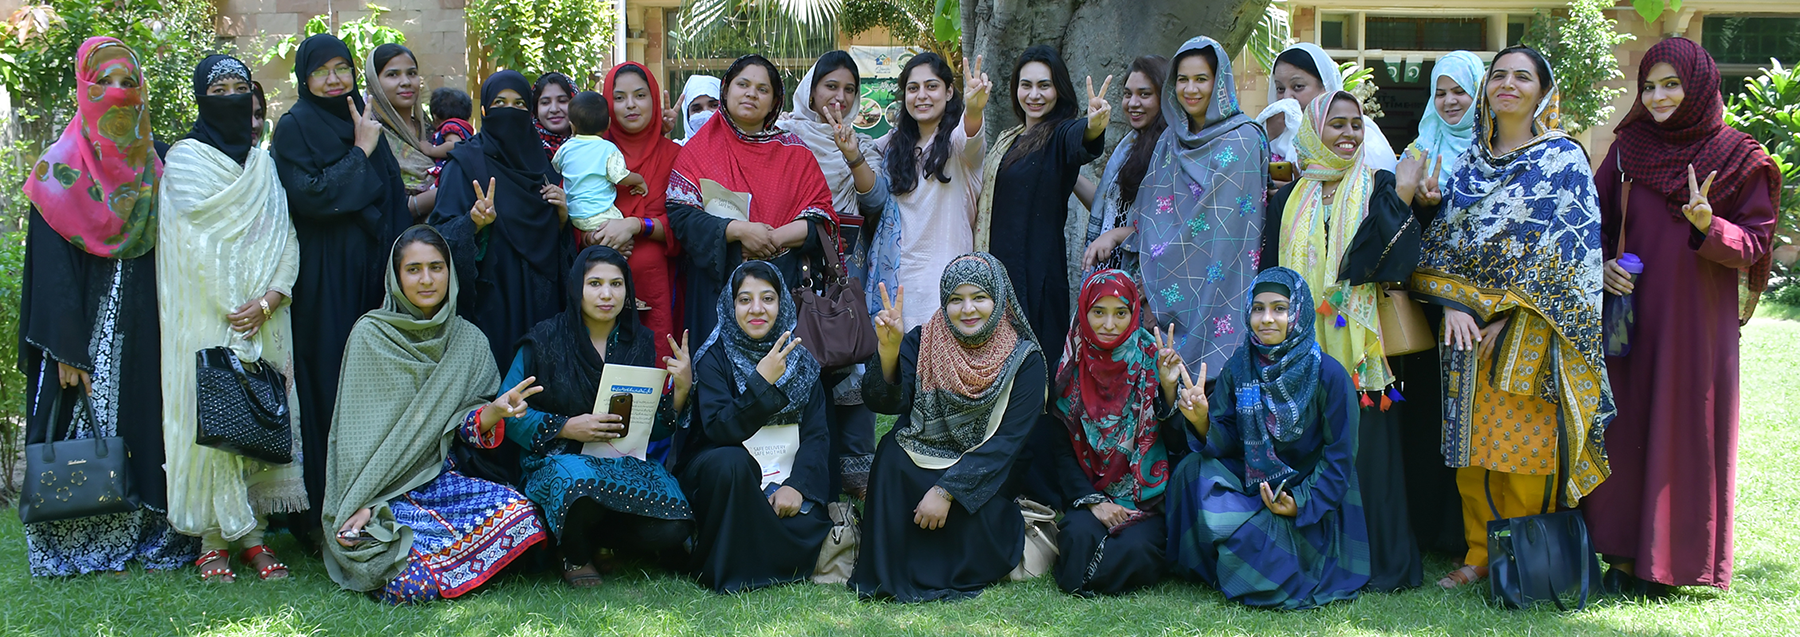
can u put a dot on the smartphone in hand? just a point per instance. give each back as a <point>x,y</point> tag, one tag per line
<point>620,405</point>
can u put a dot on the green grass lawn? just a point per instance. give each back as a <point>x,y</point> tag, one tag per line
<point>1764,600</point>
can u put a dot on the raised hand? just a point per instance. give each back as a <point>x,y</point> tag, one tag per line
<point>1697,209</point>
<point>1168,361</point>
<point>368,127</point>
<point>1099,111</point>
<point>680,367</point>
<point>843,135</point>
<point>1191,400</point>
<point>1409,176</point>
<point>482,213</point>
<point>976,86</point>
<point>889,325</point>
<point>509,405</point>
<point>774,363</point>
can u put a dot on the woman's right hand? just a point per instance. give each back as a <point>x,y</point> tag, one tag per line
<point>1460,331</point>
<point>618,234</point>
<point>756,239</point>
<point>593,428</point>
<point>1104,245</point>
<point>1110,514</point>
<point>975,86</point>
<point>347,534</point>
<point>1191,400</point>
<point>774,363</point>
<point>67,377</point>
<point>482,213</point>
<point>889,326</point>
<point>1618,281</point>
<point>368,128</point>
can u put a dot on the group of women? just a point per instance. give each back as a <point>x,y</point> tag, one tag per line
<point>1217,402</point>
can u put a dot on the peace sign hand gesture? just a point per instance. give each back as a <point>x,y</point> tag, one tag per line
<point>508,405</point>
<point>368,128</point>
<point>482,213</point>
<point>680,368</point>
<point>1099,111</point>
<point>888,323</point>
<point>1431,193</point>
<point>1168,361</point>
<point>1191,400</point>
<point>774,363</point>
<point>843,135</point>
<point>1698,210</point>
<point>975,86</point>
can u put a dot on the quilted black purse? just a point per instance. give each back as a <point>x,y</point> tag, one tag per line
<point>242,410</point>
<point>1542,557</point>
<point>69,479</point>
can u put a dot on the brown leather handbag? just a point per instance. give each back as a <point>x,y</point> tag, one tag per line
<point>834,323</point>
<point>1403,326</point>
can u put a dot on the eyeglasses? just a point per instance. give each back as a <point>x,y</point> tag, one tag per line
<point>329,71</point>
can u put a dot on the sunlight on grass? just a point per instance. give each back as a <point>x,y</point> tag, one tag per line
<point>640,600</point>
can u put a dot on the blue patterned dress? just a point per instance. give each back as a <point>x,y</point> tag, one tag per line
<point>465,530</point>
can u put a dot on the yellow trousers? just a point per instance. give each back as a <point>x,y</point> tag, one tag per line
<point>1515,495</point>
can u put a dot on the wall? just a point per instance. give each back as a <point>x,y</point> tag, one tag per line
<point>434,31</point>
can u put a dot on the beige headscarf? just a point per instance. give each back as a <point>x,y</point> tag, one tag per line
<point>404,135</point>
<point>821,139</point>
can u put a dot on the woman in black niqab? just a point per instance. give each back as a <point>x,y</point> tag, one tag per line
<point>347,207</point>
<point>512,261</point>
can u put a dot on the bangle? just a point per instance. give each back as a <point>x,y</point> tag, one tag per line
<point>943,493</point>
<point>860,160</point>
<point>649,227</point>
<point>265,307</point>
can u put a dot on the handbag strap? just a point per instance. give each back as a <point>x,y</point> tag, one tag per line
<point>1624,203</point>
<point>267,416</point>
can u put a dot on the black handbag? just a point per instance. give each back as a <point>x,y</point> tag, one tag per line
<point>69,479</point>
<point>1541,557</point>
<point>243,411</point>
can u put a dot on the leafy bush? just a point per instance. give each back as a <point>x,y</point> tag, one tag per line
<point>361,35</point>
<point>1580,47</point>
<point>569,36</point>
<point>12,383</point>
<point>1769,110</point>
<point>932,25</point>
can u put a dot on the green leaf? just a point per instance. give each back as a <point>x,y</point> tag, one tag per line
<point>946,21</point>
<point>1650,10</point>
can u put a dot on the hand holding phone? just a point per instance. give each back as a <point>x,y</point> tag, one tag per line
<point>620,405</point>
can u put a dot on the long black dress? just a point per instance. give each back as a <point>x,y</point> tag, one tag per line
<point>98,315</point>
<point>1089,561</point>
<point>347,209</point>
<point>982,538</point>
<point>741,544</point>
<point>1394,561</point>
<point>1431,496</point>
<point>1031,206</point>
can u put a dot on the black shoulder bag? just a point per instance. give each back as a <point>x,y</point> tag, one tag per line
<point>1541,557</point>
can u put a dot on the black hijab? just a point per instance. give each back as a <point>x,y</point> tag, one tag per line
<point>508,150</point>
<point>563,356</point>
<point>327,134</point>
<point>224,121</point>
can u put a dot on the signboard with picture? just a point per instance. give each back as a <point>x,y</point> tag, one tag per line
<point>879,68</point>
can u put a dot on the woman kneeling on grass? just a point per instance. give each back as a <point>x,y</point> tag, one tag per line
<point>1267,508</point>
<point>409,526</point>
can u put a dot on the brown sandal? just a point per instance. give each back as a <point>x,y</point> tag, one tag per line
<point>1464,575</point>
<point>581,575</point>
<point>220,574</point>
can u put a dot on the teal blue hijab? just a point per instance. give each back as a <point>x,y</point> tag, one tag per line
<point>1443,139</point>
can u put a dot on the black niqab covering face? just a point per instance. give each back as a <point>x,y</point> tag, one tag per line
<point>224,121</point>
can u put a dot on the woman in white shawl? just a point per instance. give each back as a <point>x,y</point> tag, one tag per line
<point>226,266</point>
<point>1303,72</point>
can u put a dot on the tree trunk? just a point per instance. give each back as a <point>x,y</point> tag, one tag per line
<point>1096,38</point>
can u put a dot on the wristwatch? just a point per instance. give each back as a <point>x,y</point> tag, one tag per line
<point>943,493</point>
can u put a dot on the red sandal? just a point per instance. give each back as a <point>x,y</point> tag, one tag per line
<point>219,575</point>
<point>275,569</point>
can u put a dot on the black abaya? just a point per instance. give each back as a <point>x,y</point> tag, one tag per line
<point>61,292</point>
<point>982,540</point>
<point>1091,563</point>
<point>740,543</point>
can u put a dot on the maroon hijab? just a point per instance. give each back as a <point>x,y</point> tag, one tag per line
<point>1657,154</point>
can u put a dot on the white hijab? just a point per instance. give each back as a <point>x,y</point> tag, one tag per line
<point>821,139</point>
<point>1377,152</point>
<point>1291,118</point>
<point>697,85</point>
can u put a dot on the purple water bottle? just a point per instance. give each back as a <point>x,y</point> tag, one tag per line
<point>1617,313</point>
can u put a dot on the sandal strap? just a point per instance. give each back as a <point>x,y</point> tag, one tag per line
<point>215,554</point>
<point>254,552</point>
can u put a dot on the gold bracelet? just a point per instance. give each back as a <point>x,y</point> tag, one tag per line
<point>265,307</point>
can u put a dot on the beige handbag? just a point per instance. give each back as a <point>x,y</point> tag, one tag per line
<point>1040,541</point>
<point>837,557</point>
<point>1403,326</point>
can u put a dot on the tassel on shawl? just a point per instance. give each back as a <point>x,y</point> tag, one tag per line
<point>1366,402</point>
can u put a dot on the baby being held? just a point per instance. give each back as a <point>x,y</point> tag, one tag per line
<point>591,166</point>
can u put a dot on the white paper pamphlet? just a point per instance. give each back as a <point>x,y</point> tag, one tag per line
<point>724,202</point>
<point>645,386</point>
<point>774,448</point>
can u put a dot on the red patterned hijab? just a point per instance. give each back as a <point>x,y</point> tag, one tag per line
<point>1106,395</point>
<point>1657,154</point>
<point>96,186</point>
